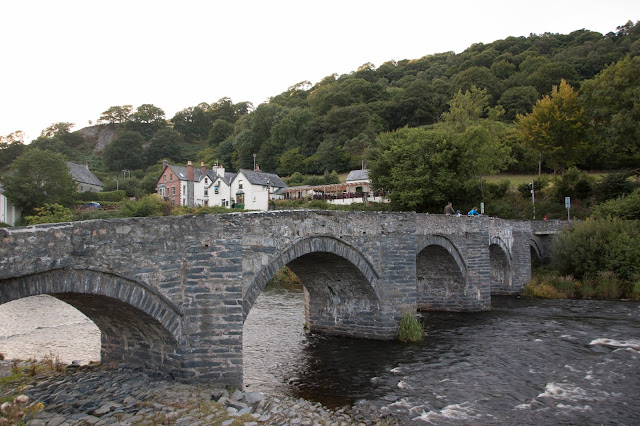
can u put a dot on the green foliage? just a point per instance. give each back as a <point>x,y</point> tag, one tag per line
<point>4,225</point>
<point>625,207</point>
<point>611,101</point>
<point>150,205</point>
<point>614,185</point>
<point>599,245</point>
<point>125,152</point>
<point>410,329</point>
<point>164,144</point>
<point>556,127</point>
<point>417,167</point>
<point>102,196</point>
<point>49,213</point>
<point>37,178</point>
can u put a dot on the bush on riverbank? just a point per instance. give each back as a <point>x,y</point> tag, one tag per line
<point>604,285</point>
<point>596,259</point>
<point>596,246</point>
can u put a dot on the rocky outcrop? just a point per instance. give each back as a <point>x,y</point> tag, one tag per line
<point>100,136</point>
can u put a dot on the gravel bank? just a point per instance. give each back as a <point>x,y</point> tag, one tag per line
<point>127,396</point>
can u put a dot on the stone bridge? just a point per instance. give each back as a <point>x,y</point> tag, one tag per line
<point>172,293</point>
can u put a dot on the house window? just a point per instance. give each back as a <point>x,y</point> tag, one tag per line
<point>206,192</point>
<point>216,189</point>
<point>224,203</point>
<point>81,188</point>
<point>206,181</point>
<point>164,178</point>
<point>171,176</point>
<point>173,191</point>
<point>239,184</point>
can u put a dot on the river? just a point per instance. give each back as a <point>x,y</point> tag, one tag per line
<point>524,362</point>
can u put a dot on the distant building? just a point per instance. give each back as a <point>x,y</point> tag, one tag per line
<point>85,180</point>
<point>248,189</point>
<point>9,213</point>
<point>356,189</point>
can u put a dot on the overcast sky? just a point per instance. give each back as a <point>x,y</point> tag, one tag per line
<point>71,60</point>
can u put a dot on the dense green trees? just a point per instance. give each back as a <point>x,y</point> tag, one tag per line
<point>612,107</point>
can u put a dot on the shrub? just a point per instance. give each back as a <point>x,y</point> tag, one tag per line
<point>608,286</point>
<point>625,207</point>
<point>4,225</point>
<point>151,205</point>
<point>613,185</point>
<point>598,245</point>
<point>538,288</point>
<point>50,213</point>
<point>410,329</point>
<point>114,196</point>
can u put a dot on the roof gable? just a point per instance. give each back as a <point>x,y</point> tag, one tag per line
<point>358,175</point>
<point>262,178</point>
<point>82,174</point>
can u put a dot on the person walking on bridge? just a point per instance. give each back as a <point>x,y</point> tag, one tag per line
<point>449,209</point>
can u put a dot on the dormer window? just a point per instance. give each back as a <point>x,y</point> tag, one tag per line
<point>206,181</point>
<point>171,176</point>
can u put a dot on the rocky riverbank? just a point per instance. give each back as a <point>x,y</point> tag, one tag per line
<point>101,395</point>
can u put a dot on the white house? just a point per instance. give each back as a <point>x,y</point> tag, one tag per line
<point>248,189</point>
<point>9,213</point>
<point>217,188</point>
<point>254,189</point>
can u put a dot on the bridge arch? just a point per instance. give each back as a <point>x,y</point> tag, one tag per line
<point>138,325</point>
<point>501,262</point>
<point>441,274</point>
<point>339,282</point>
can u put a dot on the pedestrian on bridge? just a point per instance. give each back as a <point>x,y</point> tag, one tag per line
<point>473,212</point>
<point>449,209</point>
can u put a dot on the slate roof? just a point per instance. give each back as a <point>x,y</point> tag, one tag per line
<point>358,175</point>
<point>261,178</point>
<point>83,175</point>
<point>181,172</point>
<point>227,178</point>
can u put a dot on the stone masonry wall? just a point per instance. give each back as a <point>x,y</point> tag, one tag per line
<point>172,293</point>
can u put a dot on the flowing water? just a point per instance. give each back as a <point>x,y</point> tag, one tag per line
<point>524,362</point>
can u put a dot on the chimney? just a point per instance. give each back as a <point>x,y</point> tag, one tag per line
<point>190,174</point>
<point>219,170</point>
<point>86,166</point>
<point>203,168</point>
<point>165,164</point>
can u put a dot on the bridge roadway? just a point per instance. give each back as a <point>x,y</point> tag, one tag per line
<point>172,293</point>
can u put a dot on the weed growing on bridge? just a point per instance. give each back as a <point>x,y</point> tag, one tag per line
<point>410,329</point>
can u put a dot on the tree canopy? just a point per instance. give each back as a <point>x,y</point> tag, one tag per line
<point>39,177</point>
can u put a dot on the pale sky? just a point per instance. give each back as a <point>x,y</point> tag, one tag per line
<point>69,60</point>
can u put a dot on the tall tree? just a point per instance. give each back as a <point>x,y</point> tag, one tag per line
<point>37,178</point>
<point>556,127</point>
<point>56,129</point>
<point>116,115</point>
<point>164,144</point>
<point>418,168</point>
<point>125,152</point>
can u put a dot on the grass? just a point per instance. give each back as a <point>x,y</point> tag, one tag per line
<point>410,329</point>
